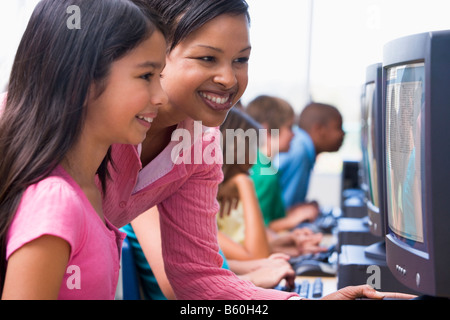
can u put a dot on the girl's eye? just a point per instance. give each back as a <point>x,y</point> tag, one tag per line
<point>147,76</point>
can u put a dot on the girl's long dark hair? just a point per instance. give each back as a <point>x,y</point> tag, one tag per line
<point>49,84</point>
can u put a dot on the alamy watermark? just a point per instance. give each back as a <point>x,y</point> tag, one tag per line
<point>374,280</point>
<point>201,146</point>
<point>74,280</point>
<point>74,20</point>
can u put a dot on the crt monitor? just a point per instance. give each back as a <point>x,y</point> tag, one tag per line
<point>416,112</point>
<point>373,157</point>
<point>372,148</point>
<point>364,133</point>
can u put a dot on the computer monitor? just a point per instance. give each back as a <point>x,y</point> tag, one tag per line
<point>416,112</point>
<point>363,165</point>
<point>373,157</point>
<point>374,149</point>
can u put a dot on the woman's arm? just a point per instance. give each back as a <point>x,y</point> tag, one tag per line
<point>189,243</point>
<point>36,270</point>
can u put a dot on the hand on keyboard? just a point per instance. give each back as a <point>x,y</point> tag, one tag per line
<point>306,289</point>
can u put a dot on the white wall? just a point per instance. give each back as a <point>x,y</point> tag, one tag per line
<point>14,16</point>
<point>347,36</point>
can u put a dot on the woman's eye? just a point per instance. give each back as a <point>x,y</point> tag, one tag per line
<point>242,60</point>
<point>207,59</point>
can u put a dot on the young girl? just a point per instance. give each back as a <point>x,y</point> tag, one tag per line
<point>72,94</point>
<point>240,135</point>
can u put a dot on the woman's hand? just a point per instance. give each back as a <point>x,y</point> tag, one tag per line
<point>364,291</point>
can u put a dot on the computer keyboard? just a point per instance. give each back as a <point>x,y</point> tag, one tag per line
<point>323,264</point>
<point>326,222</point>
<point>305,288</point>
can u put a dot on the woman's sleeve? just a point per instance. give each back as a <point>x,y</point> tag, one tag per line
<point>189,243</point>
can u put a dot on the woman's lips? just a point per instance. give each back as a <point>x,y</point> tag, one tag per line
<point>216,101</point>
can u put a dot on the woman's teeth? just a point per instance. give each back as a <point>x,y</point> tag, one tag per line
<point>217,100</point>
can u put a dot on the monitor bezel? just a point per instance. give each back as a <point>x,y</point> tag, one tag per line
<point>426,271</point>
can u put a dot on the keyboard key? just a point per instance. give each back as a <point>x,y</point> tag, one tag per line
<point>304,289</point>
<point>317,290</point>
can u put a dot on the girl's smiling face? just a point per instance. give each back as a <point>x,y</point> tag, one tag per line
<point>124,111</point>
<point>207,73</point>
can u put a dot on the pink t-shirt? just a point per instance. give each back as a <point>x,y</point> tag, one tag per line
<point>57,206</point>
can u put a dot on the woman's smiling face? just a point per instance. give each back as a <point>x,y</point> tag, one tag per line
<point>207,73</point>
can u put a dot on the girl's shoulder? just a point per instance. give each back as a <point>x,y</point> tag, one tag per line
<point>58,189</point>
<point>51,206</point>
<point>55,203</point>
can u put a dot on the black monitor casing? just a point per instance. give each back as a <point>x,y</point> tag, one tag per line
<point>427,270</point>
<point>375,212</point>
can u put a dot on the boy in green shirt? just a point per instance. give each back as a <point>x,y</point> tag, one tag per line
<point>267,189</point>
<point>277,116</point>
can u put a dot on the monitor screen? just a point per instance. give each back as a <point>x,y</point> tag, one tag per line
<point>405,96</point>
<point>416,76</point>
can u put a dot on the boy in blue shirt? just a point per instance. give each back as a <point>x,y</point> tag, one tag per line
<point>318,130</point>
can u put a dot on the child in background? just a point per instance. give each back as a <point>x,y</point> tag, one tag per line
<point>275,114</point>
<point>242,233</point>
<point>318,130</point>
<point>71,95</point>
